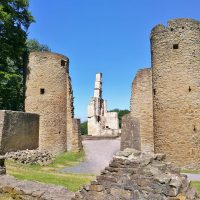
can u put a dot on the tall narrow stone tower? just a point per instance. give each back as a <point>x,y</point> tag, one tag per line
<point>98,86</point>
<point>176,90</point>
<point>100,121</point>
<point>49,93</point>
<point>96,108</point>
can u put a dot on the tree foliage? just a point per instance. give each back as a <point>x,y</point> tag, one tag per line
<point>34,45</point>
<point>84,128</point>
<point>121,113</point>
<point>15,20</point>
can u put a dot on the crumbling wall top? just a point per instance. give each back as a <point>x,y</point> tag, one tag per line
<point>47,53</point>
<point>178,23</point>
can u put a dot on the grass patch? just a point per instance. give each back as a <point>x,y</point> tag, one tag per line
<point>196,185</point>
<point>188,171</point>
<point>50,173</point>
<point>68,159</point>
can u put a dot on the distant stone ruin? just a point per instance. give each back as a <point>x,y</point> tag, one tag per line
<point>136,175</point>
<point>100,121</point>
<point>165,98</point>
<point>49,93</point>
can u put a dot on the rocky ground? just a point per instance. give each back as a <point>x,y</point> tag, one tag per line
<point>29,190</point>
<point>136,175</point>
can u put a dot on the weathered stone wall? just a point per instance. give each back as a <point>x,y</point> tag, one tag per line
<point>95,108</point>
<point>130,136</point>
<point>76,142</point>
<point>133,175</point>
<point>176,97</point>
<point>18,131</point>
<point>111,120</point>
<point>142,107</point>
<point>70,113</point>
<point>46,95</point>
<point>49,93</point>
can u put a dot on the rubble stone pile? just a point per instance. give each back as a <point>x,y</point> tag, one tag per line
<point>31,157</point>
<point>134,175</point>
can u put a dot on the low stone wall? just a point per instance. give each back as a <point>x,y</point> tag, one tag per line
<point>31,157</point>
<point>18,131</point>
<point>130,135</point>
<point>136,175</point>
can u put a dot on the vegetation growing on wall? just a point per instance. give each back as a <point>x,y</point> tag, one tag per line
<point>84,128</point>
<point>34,45</point>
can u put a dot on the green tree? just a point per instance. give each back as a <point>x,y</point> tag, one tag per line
<point>34,45</point>
<point>84,128</point>
<point>121,113</point>
<point>15,20</point>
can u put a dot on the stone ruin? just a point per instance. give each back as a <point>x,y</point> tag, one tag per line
<point>136,175</point>
<point>18,130</point>
<point>49,93</point>
<point>100,121</point>
<point>31,157</point>
<point>48,122</point>
<point>131,175</point>
<point>164,118</point>
<point>165,98</point>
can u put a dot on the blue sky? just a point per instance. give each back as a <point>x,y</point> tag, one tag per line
<point>108,36</point>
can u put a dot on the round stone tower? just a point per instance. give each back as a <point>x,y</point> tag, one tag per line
<point>46,94</point>
<point>175,51</point>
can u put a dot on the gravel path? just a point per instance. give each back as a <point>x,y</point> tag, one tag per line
<point>98,155</point>
<point>193,177</point>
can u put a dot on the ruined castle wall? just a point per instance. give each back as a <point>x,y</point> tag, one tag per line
<point>70,113</point>
<point>111,120</point>
<point>130,135</point>
<point>95,110</point>
<point>46,95</point>
<point>94,127</point>
<point>18,131</point>
<point>141,107</point>
<point>76,143</point>
<point>176,97</point>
